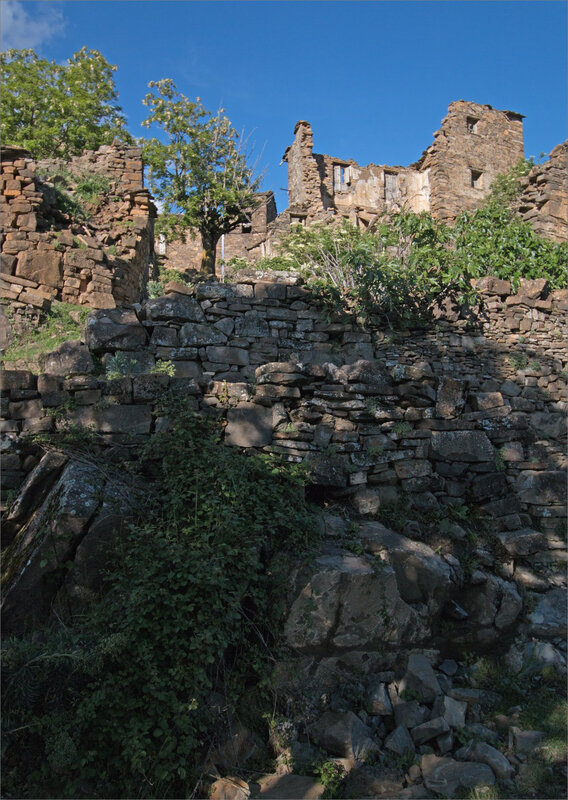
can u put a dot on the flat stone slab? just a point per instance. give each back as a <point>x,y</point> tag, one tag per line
<point>289,787</point>
<point>469,446</point>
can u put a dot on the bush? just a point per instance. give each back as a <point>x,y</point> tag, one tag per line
<point>400,269</point>
<point>116,703</point>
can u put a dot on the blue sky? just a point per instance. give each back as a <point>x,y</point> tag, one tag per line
<point>374,78</point>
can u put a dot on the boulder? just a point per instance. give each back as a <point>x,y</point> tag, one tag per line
<point>431,729</point>
<point>446,776</point>
<point>400,741</point>
<point>346,604</point>
<point>548,619</point>
<point>33,564</point>
<point>377,700</point>
<point>421,575</point>
<point>484,753</point>
<point>420,678</point>
<point>343,734</point>
<point>230,788</point>
<point>289,787</point>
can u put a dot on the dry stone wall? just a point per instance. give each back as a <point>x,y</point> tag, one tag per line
<point>471,411</point>
<point>47,255</point>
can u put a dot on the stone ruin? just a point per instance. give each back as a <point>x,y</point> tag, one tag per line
<point>474,145</point>
<point>47,255</point>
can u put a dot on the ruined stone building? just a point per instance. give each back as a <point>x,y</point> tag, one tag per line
<point>474,144</point>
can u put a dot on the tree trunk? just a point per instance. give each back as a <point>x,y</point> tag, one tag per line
<point>209,252</point>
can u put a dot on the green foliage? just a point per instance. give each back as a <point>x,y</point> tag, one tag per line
<point>164,368</point>
<point>115,704</point>
<point>331,775</point>
<point>518,360</point>
<point>91,187</point>
<point>402,268</point>
<point>63,322</point>
<point>200,173</point>
<point>68,205</point>
<point>120,365</point>
<point>56,109</point>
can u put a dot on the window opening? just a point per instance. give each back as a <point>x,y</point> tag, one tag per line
<point>391,187</point>
<point>341,177</point>
<point>471,124</point>
<point>476,179</point>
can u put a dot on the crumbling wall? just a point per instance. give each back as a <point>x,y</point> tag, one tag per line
<point>46,254</point>
<point>474,145</point>
<point>544,201</point>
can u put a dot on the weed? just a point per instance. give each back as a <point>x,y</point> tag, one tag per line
<point>331,775</point>
<point>164,368</point>
<point>518,360</point>
<point>91,187</point>
<point>401,428</point>
<point>499,460</point>
<point>120,365</point>
<point>63,322</point>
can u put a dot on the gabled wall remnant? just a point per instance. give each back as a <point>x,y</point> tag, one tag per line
<point>47,255</point>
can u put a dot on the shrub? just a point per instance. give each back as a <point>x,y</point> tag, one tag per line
<point>115,704</point>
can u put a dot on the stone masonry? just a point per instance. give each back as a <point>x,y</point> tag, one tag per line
<point>472,410</point>
<point>48,255</point>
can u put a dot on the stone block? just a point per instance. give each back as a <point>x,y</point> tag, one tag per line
<point>468,446</point>
<point>249,425</point>
<point>228,355</point>
<point>195,334</point>
<point>174,308</point>
<point>109,330</point>
<point>17,379</point>
<point>44,267</point>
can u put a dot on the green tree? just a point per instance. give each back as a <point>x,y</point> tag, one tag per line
<point>200,173</point>
<point>59,109</point>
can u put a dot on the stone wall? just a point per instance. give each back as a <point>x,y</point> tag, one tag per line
<point>471,411</point>
<point>119,163</point>
<point>48,255</point>
<point>544,201</point>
